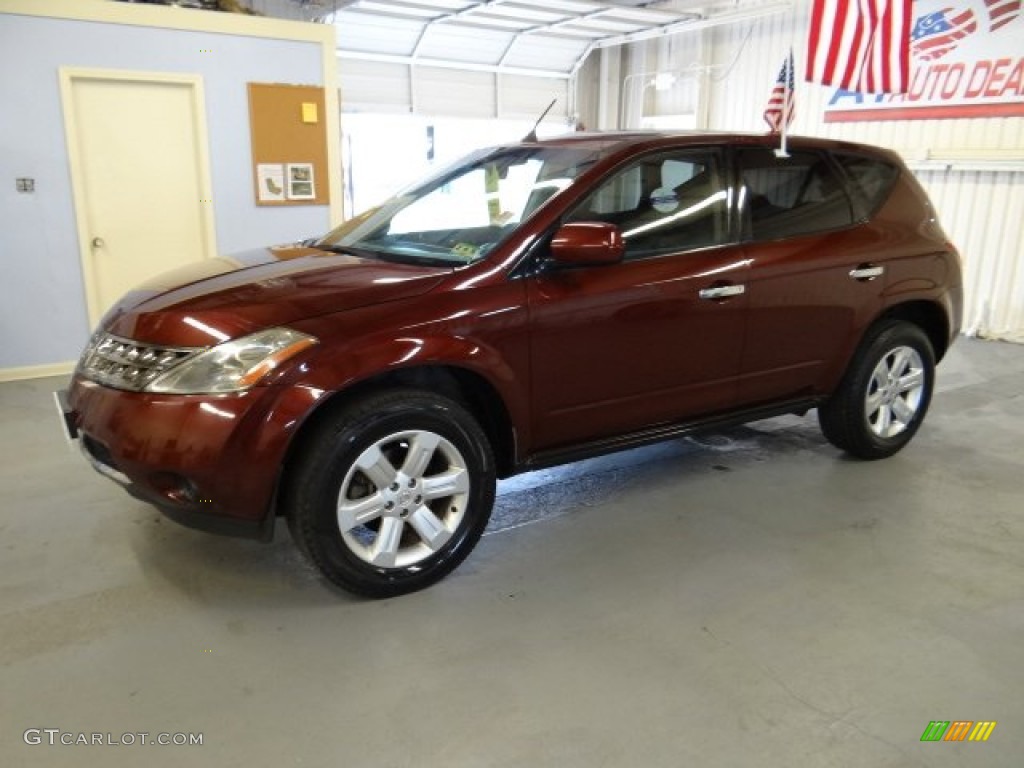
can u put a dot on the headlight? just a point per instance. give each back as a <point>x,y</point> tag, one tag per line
<point>234,365</point>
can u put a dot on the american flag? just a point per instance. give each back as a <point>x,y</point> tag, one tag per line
<point>1001,12</point>
<point>938,33</point>
<point>860,45</point>
<point>781,99</point>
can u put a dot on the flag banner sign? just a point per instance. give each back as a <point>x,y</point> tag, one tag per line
<point>780,100</point>
<point>967,60</point>
<point>860,45</point>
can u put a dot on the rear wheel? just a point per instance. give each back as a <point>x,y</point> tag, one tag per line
<point>392,493</point>
<point>884,396</point>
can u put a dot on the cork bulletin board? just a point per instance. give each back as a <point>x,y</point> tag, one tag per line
<point>289,144</point>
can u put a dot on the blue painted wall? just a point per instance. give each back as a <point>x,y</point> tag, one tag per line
<point>43,316</point>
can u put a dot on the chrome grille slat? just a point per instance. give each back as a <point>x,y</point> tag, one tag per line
<point>125,364</point>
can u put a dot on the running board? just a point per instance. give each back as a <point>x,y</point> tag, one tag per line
<point>662,432</point>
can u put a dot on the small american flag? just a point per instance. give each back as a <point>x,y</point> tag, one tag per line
<point>781,102</point>
<point>1001,12</point>
<point>860,45</point>
<point>938,33</point>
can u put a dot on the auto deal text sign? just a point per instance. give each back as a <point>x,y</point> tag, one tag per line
<point>967,60</point>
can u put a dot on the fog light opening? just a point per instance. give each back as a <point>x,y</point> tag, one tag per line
<point>176,488</point>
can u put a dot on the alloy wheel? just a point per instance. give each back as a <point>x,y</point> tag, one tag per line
<point>403,499</point>
<point>894,391</point>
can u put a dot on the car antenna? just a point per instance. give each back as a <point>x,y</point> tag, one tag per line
<point>532,135</point>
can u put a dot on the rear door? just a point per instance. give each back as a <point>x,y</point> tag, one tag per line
<point>815,276</point>
<point>653,339</point>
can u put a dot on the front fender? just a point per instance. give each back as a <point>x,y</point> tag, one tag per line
<point>490,341</point>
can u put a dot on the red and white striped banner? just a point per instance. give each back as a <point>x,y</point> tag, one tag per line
<point>967,60</point>
<point>860,45</point>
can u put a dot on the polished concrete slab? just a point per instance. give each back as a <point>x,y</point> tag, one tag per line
<point>746,598</point>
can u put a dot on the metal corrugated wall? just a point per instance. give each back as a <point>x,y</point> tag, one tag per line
<point>958,161</point>
<point>371,86</point>
<point>982,213</point>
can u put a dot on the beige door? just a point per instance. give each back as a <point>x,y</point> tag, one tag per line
<point>137,146</point>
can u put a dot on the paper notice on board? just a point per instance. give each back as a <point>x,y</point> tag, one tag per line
<point>270,180</point>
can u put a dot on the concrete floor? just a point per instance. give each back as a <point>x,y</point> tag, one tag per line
<point>749,598</point>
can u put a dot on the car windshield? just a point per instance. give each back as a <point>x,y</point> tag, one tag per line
<point>462,213</point>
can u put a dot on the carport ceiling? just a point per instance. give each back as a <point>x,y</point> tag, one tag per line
<point>546,38</point>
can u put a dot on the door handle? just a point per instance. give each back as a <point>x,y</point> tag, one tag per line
<point>722,291</point>
<point>97,242</point>
<point>867,272</point>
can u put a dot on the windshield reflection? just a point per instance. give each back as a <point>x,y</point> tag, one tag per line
<point>465,211</point>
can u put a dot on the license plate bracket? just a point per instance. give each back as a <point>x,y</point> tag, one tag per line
<point>66,415</point>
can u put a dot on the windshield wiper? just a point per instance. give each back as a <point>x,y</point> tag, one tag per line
<point>346,250</point>
<point>393,258</point>
<point>417,260</point>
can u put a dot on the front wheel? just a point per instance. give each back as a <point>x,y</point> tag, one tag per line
<point>884,395</point>
<point>392,492</point>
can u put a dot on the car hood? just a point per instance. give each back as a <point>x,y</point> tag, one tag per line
<point>223,298</point>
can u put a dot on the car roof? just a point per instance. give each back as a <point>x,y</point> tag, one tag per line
<point>619,141</point>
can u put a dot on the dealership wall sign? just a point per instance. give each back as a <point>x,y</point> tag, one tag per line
<point>966,61</point>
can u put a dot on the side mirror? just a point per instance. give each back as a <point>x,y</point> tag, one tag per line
<point>587,243</point>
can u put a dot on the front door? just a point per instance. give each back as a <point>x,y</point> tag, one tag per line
<point>137,145</point>
<point>656,338</point>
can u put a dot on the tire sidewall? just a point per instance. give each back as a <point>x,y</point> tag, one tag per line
<point>886,340</point>
<point>318,497</point>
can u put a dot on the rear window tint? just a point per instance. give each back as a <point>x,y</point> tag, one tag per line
<point>871,179</point>
<point>789,196</point>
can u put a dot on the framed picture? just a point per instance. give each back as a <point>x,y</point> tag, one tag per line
<point>301,185</point>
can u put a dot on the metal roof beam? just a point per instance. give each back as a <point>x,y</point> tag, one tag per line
<point>729,17</point>
<point>499,69</point>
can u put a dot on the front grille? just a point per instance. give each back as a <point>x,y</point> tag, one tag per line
<point>125,364</point>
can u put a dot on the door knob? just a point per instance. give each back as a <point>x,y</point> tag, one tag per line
<point>97,242</point>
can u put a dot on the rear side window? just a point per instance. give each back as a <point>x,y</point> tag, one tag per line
<point>789,196</point>
<point>870,178</point>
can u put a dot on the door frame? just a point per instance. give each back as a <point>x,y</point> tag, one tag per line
<point>68,77</point>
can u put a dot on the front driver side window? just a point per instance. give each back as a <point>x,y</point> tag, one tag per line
<point>663,204</point>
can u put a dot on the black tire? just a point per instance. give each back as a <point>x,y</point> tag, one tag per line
<point>411,532</point>
<point>884,395</point>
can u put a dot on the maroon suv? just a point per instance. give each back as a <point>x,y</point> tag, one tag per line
<point>531,305</point>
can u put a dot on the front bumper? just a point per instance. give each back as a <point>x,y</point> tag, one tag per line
<point>210,462</point>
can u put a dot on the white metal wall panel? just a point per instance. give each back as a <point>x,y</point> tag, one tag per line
<point>679,58</point>
<point>454,93</point>
<point>744,63</point>
<point>528,97</point>
<point>371,86</point>
<point>981,210</point>
<point>376,34</point>
<point>447,41</point>
<point>543,52</point>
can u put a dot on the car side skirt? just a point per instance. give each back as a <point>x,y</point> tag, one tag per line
<point>662,432</point>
